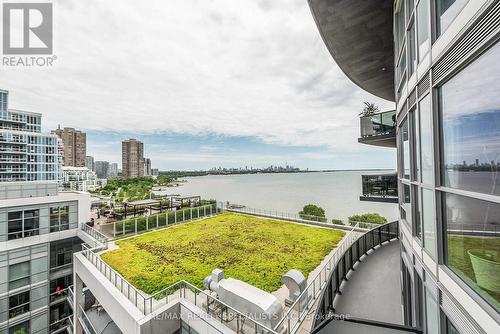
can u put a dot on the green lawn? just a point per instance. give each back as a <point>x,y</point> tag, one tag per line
<point>459,259</point>
<point>256,250</point>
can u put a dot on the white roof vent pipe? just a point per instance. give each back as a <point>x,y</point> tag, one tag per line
<point>296,283</point>
<point>257,304</point>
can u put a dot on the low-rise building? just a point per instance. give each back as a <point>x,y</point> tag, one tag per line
<point>80,179</point>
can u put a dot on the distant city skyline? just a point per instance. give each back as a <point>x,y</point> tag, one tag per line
<point>255,88</point>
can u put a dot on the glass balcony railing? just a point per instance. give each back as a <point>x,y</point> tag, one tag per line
<point>380,187</point>
<point>383,123</point>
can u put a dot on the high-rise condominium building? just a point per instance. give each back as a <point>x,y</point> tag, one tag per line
<point>26,154</point>
<point>147,167</point>
<point>102,169</point>
<point>438,61</point>
<point>89,162</point>
<point>40,228</point>
<point>132,158</point>
<point>75,146</point>
<point>113,170</point>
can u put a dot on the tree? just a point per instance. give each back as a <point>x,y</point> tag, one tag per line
<point>369,109</point>
<point>313,212</point>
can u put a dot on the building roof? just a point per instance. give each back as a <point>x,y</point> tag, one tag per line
<point>144,202</point>
<point>359,36</point>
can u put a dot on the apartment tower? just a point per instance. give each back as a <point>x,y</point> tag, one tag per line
<point>75,146</point>
<point>39,228</point>
<point>26,154</point>
<point>132,158</point>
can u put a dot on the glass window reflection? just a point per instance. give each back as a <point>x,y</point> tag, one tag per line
<point>473,243</point>
<point>471,122</point>
<point>426,150</point>
<point>446,11</point>
<point>423,29</point>
<point>429,222</point>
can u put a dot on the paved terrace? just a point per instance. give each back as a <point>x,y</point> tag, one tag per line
<point>372,292</point>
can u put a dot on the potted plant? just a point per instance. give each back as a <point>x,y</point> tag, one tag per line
<point>486,266</point>
<point>369,109</point>
<point>367,127</point>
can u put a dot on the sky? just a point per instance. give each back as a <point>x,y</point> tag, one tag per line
<point>202,83</point>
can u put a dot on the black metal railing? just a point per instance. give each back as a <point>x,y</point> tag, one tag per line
<point>381,185</point>
<point>353,254</point>
<point>378,124</point>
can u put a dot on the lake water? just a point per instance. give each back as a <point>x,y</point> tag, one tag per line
<point>336,192</point>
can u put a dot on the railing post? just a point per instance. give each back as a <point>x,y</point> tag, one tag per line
<point>135,220</point>
<point>147,223</point>
<point>157,224</point>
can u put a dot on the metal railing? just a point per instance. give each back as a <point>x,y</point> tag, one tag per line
<point>383,185</point>
<point>298,311</point>
<point>280,215</point>
<point>156,221</point>
<point>293,317</point>
<point>352,254</point>
<point>71,297</point>
<point>60,324</point>
<point>182,289</point>
<point>100,237</point>
<point>382,123</point>
<point>84,320</point>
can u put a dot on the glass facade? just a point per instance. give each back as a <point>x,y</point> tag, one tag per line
<point>431,314</point>
<point>423,34</point>
<point>429,222</point>
<point>473,243</point>
<point>449,158</point>
<point>470,110</point>
<point>446,11</point>
<point>426,160</point>
<point>19,275</point>
<point>405,146</point>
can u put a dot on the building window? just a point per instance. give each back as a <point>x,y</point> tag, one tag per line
<point>399,11</point>
<point>59,218</point>
<point>446,11</point>
<point>431,314</point>
<point>412,54</point>
<point>22,224</point>
<point>423,29</point>
<point>22,328</point>
<point>473,243</point>
<point>19,275</point>
<point>404,139</point>
<point>429,221</point>
<point>19,304</point>
<point>425,145</point>
<point>417,204</point>
<point>470,111</point>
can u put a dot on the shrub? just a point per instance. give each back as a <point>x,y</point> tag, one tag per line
<point>313,212</point>
<point>373,218</point>
<point>337,221</point>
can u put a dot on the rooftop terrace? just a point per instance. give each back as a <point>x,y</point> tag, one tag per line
<point>256,250</point>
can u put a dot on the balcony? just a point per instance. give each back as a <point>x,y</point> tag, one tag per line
<point>343,308</point>
<point>380,188</point>
<point>378,129</point>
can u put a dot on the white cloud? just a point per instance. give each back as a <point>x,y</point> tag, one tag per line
<point>234,68</point>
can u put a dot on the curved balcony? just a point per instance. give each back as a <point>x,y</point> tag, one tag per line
<point>363,292</point>
<point>380,188</point>
<point>378,129</point>
<point>358,34</point>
